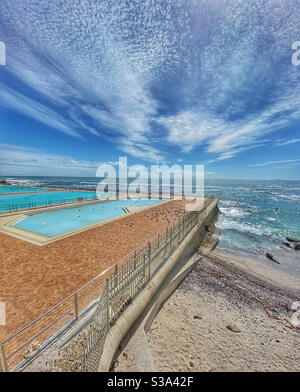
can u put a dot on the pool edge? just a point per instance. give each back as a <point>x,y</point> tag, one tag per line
<point>6,225</point>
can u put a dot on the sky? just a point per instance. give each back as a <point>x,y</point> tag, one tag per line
<point>160,81</point>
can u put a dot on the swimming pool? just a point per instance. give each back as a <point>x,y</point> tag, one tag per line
<point>20,189</point>
<point>61,221</point>
<point>18,202</point>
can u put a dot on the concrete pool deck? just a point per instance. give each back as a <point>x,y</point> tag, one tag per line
<point>35,278</point>
<point>6,223</point>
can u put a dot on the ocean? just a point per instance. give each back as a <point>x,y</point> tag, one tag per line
<point>256,218</point>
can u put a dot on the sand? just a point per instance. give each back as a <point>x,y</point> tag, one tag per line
<point>225,316</point>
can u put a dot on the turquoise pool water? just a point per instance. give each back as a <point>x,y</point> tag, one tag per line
<point>19,189</point>
<point>68,219</point>
<point>10,202</point>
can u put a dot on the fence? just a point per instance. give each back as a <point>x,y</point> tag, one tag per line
<point>125,284</point>
<point>46,203</point>
<point>47,188</point>
<point>110,293</point>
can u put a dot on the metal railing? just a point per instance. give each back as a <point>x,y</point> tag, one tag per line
<point>47,188</point>
<point>126,283</point>
<point>110,292</point>
<point>46,203</point>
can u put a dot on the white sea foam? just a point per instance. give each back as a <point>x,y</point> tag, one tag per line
<point>232,224</point>
<point>234,212</point>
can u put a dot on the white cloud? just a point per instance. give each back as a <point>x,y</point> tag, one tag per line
<point>141,151</point>
<point>190,129</point>
<point>271,163</point>
<point>284,142</point>
<point>17,160</point>
<point>112,68</point>
<point>96,68</point>
<point>11,99</point>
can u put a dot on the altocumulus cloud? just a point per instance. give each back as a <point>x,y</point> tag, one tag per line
<point>197,74</point>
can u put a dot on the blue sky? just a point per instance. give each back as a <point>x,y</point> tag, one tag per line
<point>187,81</point>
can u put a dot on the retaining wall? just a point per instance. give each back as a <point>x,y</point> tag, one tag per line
<point>179,257</point>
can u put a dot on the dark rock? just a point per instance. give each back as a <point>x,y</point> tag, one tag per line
<point>270,257</point>
<point>275,310</point>
<point>297,247</point>
<point>287,244</point>
<point>233,328</point>
<point>292,239</point>
<point>197,317</point>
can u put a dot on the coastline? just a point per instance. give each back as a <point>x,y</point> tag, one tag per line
<point>256,268</point>
<point>229,314</point>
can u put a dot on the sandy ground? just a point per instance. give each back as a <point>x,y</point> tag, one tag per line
<point>227,315</point>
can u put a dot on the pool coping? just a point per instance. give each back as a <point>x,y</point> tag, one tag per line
<point>7,221</point>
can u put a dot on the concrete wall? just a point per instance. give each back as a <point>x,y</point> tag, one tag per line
<point>177,260</point>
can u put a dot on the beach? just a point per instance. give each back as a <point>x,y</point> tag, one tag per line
<point>229,314</point>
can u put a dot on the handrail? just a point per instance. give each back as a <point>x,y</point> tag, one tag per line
<point>125,284</point>
<point>75,293</point>
<point>46,203</point>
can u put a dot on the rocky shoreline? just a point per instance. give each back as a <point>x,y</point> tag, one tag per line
<point>4,182</point>
<point>294,241</point>
<point>291,243</point>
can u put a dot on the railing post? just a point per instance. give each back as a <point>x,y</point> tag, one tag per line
<point>4,365</point>
<point>116,275</point>
<point>149,260</point>
<point>107,304</point>
<point>167,236</point>
<point>144,264</point>
<point>158,241</point>
<point>76,306</point>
